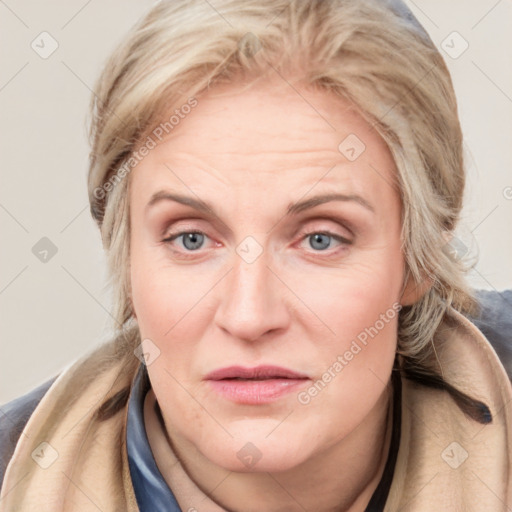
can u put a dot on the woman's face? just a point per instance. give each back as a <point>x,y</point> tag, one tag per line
<point>273,328</point>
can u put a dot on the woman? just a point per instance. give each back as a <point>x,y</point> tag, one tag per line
<point>277,186</point>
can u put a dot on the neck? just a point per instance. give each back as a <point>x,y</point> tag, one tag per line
<point>342,478</point>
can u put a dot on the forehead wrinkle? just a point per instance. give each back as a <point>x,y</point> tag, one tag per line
<point>201,162</point>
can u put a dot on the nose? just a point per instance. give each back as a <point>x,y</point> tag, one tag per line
<point>253,300</point>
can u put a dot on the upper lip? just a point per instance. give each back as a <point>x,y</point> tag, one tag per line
<point>257,372</point>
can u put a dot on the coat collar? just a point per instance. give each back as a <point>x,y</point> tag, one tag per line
<point>447,461</point>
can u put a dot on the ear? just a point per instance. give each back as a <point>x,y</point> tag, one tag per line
<point>413,290</point>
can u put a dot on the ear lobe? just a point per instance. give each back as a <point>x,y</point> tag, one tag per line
<point>414,290</point>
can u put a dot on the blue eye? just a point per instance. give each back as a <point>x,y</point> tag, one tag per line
<point>192,240</point>
<point>321,240</point>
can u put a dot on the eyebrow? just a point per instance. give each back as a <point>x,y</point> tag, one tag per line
<point>293,208</point>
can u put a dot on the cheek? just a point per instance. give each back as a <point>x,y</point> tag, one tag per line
<point>353,296</point>
<point>151,294</point>
<point>171,305</point>
<point>358,307</point>
<point>162,296</point>
<point>356,362</point>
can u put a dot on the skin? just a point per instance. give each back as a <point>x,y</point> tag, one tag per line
<point>300,304</point>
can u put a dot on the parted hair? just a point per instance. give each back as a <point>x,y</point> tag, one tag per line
<point>372,53</point>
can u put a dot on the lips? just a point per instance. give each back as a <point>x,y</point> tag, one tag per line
<point>257,373</point>
<point>255,386</point>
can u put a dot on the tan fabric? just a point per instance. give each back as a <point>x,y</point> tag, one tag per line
<point>432,474</point>
<point>91,471</point>
<point>427,476</point>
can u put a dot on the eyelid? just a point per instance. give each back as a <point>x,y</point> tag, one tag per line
<point>182,225</point>
<point>181,231</point>
<point>327,232</point>
<point>164,220</point>
<point>338,220</point>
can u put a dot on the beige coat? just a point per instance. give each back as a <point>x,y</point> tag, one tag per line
<point>446,462</point>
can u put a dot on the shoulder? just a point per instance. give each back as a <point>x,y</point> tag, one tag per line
<point>13,418</point>
<point>494,320</point>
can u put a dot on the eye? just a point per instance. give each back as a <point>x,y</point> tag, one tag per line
<point>322,240</point>
<point>192,240</point>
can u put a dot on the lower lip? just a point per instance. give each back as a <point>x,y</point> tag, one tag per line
<point>254,392</point>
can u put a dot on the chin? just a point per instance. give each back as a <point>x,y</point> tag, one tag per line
<point>257,451</point>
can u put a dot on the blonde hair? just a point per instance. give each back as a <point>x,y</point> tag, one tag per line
<point>370,52</point>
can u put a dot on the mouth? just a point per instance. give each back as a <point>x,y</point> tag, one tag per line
<point>255,386</point>
<point>256,373</point>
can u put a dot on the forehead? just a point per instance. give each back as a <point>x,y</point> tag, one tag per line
<point>271,137</point>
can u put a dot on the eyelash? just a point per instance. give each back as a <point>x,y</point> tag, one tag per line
<point>304,235</point>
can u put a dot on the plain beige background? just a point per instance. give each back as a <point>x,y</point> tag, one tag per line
<point>54,311</point>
